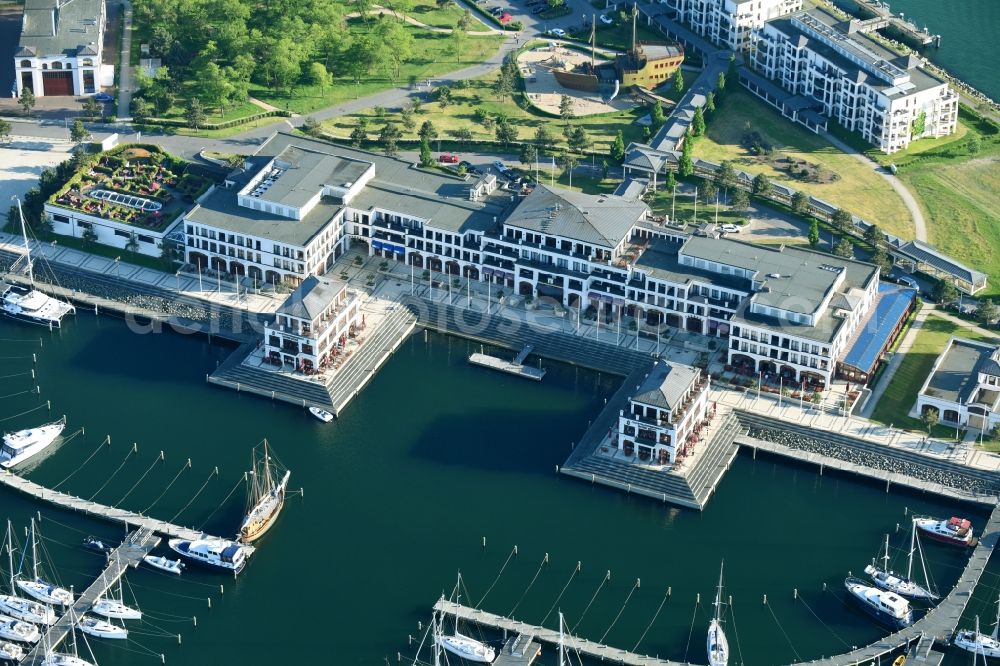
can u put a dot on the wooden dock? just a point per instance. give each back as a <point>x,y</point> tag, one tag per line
<point>109,513</point>
<point>519,650</point>
<point>129,554</point>
<point>583,646</point>
<point>515,367</point>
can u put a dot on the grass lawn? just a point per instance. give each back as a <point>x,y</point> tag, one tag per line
<point>429,13</point>
<point>959,200</point>
<point>859,189</point>
<point>435,57</point>
<point>901,394</point>
<point>216,115</point>
<point>460,114</point>
<point>684,209</point>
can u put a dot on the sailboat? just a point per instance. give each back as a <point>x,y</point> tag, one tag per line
<point>265,496</point>
<point>464,646</point>
<point>38,587</point>
<point>903,586</point>
<point>114,607</point>
<point>17,607</point>
<point>29,304</point>
<point>985,645</point>
<point>16,630</point>
<point>19,446</point>
<point>718,645</point>
<point>63,658</point>
<point>11,652</point>
<point>101,628</point>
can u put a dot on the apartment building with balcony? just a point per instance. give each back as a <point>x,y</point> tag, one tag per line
<point>313,324</point>
<point>889,99</point>
<point>730,23</point>
<point>664,414</point>
<point>964,385</point>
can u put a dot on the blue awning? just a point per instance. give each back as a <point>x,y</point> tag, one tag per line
<point>378,245</point>
<point>398,249</point>
<point>893,304</point>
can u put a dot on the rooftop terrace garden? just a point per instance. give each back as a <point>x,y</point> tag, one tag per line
<point>135,185</point>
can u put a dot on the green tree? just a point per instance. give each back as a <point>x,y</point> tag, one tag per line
<point>618,147</point>
<point>529,154</point>
<point>685,167</point>
<point>843,248</point>
<point>707,191</point>
<point>505,133</point>
<point>426,158</point>
<point>26,100</point>
<point>194,114</point>
<point>566,108</point>
<point>461,134</point>
<point>141,110</point>
<point>814,233</point>
<point>762,185</point>
<point>842,220</point>
<point>930,418</point>
<point>5,130</point>
<point>882,259</point>
<point>678,81</point>
<point>725,175</point>
<point>89,237</point>
<point>406,117</point>
<point>945,292</point>
<point>568,161</point>
<point>720,82</point>
<point>973,145</point>
<point>91,108</point>
<point>987,312</point>
<point>671,182</point>
<point>504,84</point>
<point>318,76</point>
<point>427,131</point>
<point>544,138</point>
<point>132,245</point>
<point>656,115</point>
<point>874,236</point>
<point>311,126</point>
<point>710,102</point>
<point>740,201</point>
<point>698,122</point>
<point>800,203</point>
<point>78,133</point>
<point>360,132</point>
<point>578,139</point>
<point>389,138</point>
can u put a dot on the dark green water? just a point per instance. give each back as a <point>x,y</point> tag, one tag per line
<point>968,36</point>
<point>430,458</point>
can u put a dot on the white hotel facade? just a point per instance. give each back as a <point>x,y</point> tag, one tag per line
<point>889,99</point>
<point>300,203</point>
<point>730,23</point>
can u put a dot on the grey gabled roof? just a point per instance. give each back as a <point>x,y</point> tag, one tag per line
<point>76,23</point>
<point>602,220</point>
<point>665,385</point>
<point>926,254</point>
<point>955,378</point>
<point>311,298</point>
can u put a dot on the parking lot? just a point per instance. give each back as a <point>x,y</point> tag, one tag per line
<point>21,162</point>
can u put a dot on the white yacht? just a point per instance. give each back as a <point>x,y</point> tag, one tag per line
<point>717,643</point>
<point>214,553</point>
<point>11,652</point>
<point>26,610</point>
<point>101,628</point>
<point>980,644</point>
<point>468,648</point>
<point>321,414</point>
<point>16,630</point>
<point>21,445</point>
<point>888,608</point>
<point>38,587</point>
<point>60,659</point>
<point>114,609</point>
<point>29,304</point>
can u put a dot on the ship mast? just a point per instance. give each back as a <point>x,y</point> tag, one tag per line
<point>718,594</point>
<point>268,481</point>
<point>27,248</point>
<point>10,556</point>
<point>34,550</point>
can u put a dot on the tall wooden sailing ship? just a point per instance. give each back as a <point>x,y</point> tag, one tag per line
<point>266,483</point>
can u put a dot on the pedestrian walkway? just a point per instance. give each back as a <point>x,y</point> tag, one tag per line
<point>125,77</point>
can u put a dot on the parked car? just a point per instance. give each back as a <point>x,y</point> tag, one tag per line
<point>495,11</point>
<point>607,20</point>
<point>729,228</point>
<point>907,281</point>
<point>103,97</point>
<point>467,165</point>
<point>448,158</point>
<point>557,32</point>
<point>538,10</point>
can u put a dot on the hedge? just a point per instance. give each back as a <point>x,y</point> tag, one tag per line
<point>179,122</point>
<point>513,25</point>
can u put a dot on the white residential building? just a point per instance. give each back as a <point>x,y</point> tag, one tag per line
<point>889,99</point>
<point>730,23</point>
<point>60,48</point>
<point>313,324</point>
<point>964,385</point>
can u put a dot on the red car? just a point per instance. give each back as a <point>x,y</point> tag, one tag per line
<point>505,18</point>
<point>448,158</point>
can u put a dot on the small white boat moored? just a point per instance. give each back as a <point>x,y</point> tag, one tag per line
<point>468,648</point>
<point>321,414</point>
<point>16,630</point>
<point>112,609</point>
<point>60,659</point>
<point>19,446</point>
<point>11,652</point>
<point>164,564</point>
<point>93,626</point>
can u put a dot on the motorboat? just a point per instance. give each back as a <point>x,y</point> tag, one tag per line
<point>904,586</point>
<point>26,610</point>
<point>213,553</point>
<point>265,497</point>
<point>717,643</point>
<point>114,609</point>
<point>38,587</point>
<point>11,652</point>
<point>956,531</point>
<point>887,608</point>
<point>21,445</point>
<point>164,564</point>
<point>96,545</point>
<point>93,626</point>
<point>467,648</point>
<point>62,659</point>
<point>27,304</point>
<point>978,643</point>
<point>321,414</point>
<point>16,630</point>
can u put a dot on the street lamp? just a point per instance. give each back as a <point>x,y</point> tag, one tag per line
<point>118,267</point>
